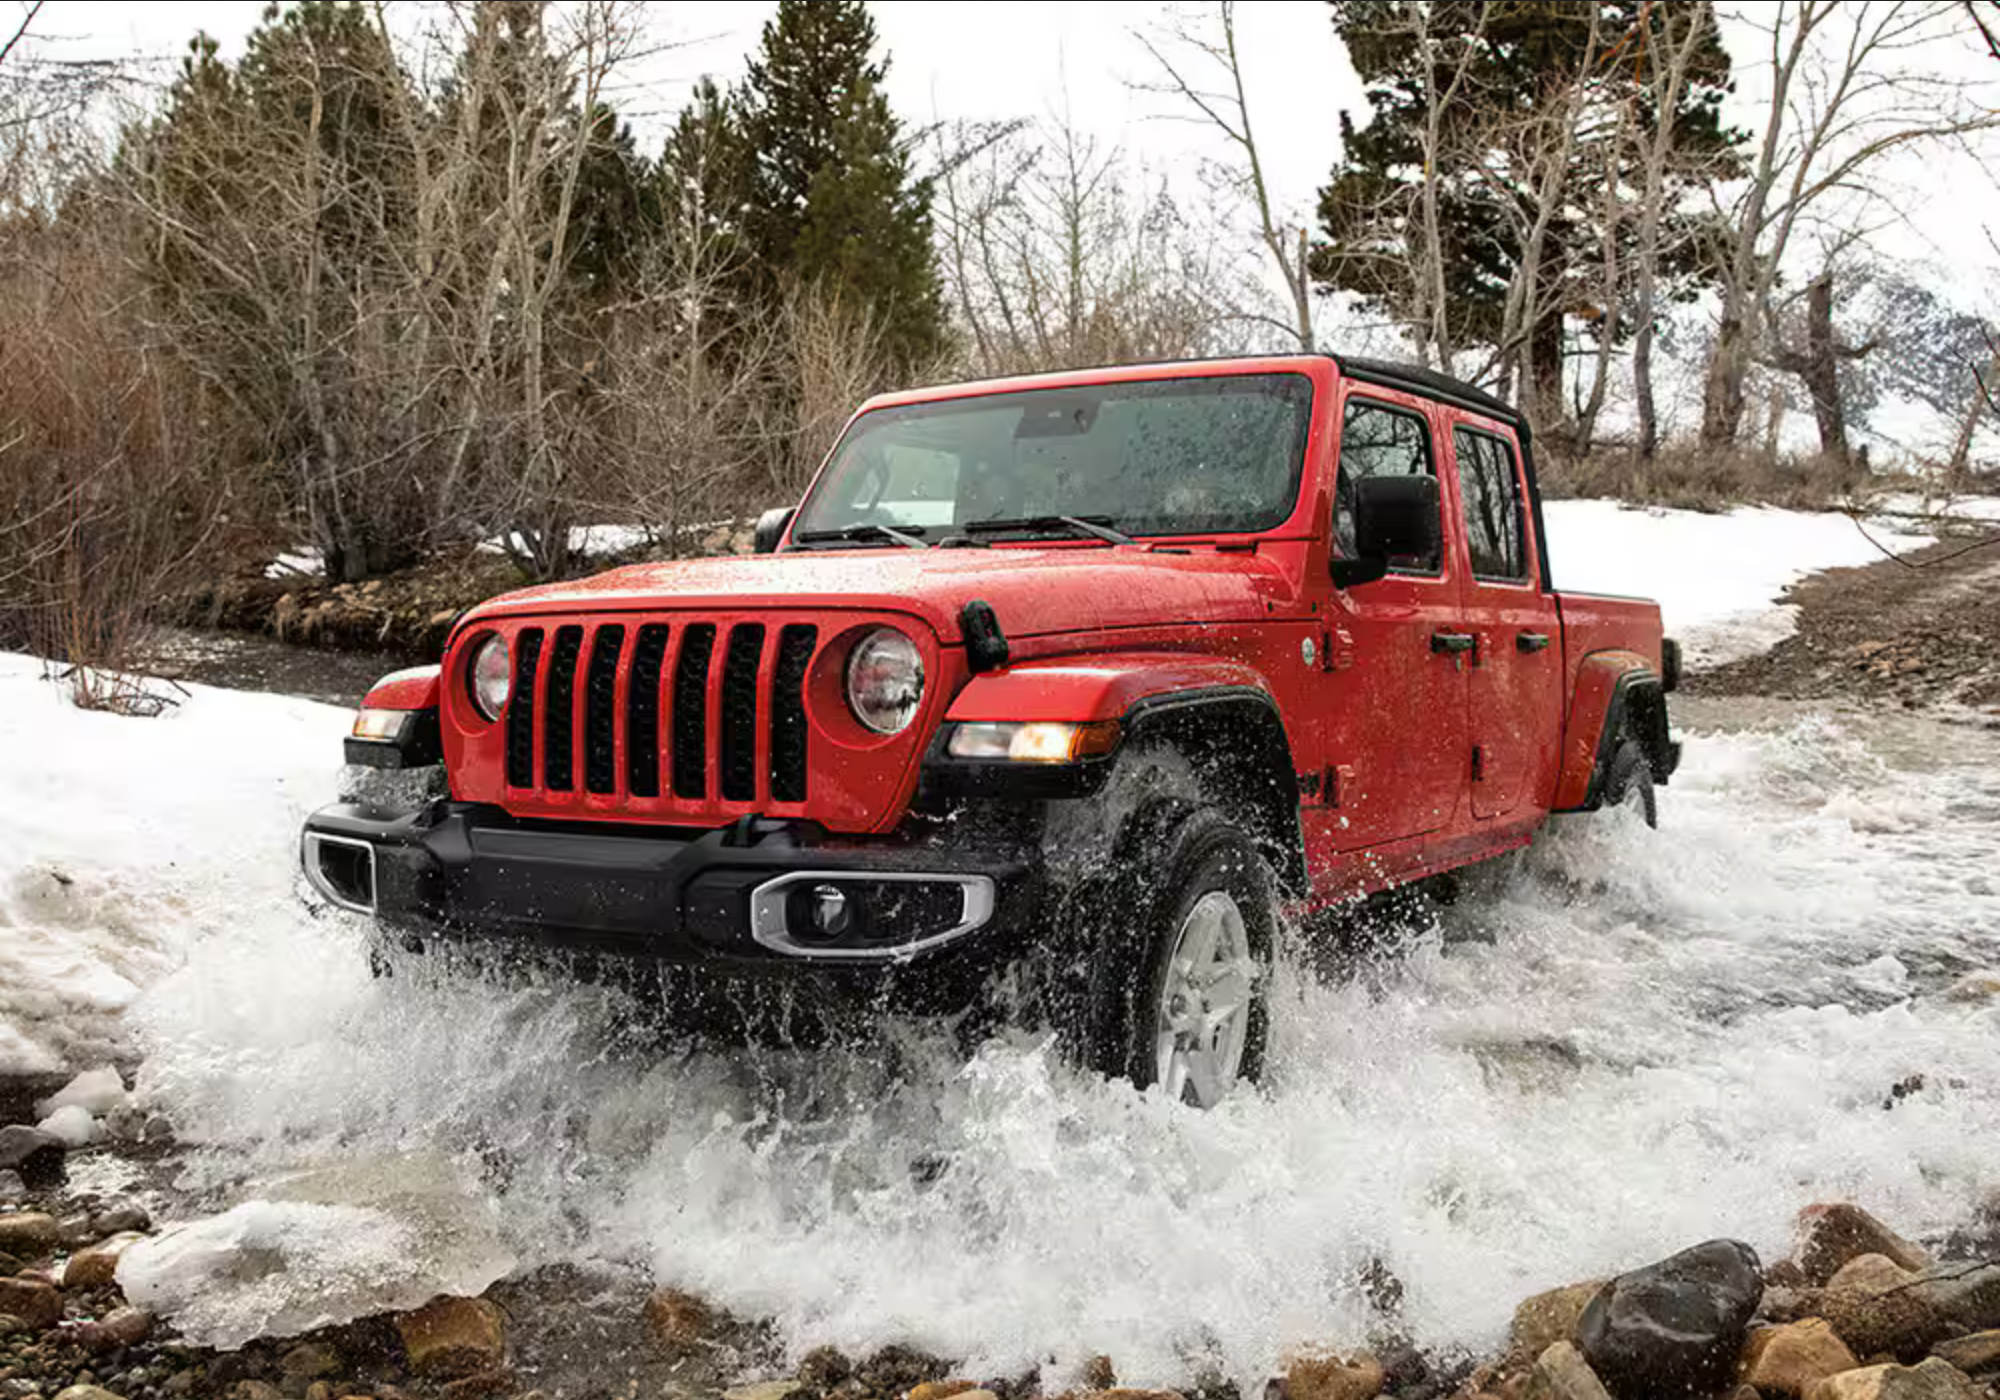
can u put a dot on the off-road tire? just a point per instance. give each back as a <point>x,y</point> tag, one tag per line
<point>1628,780</point>
<point>1124,930</point>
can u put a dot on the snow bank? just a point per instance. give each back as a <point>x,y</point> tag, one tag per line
<point>122,840</point>
<point>1718,578</point>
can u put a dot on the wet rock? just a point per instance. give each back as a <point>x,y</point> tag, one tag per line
<point>1902,1315</point>
<point>1561,1373</point>
<point>824,1368</point>
<point>87,1392</point>
<point>36,1156</point>
<point>1547,1318</point>
<point>1358,1377</point>
<point>319,1390</point>
<point>1933,1380</point>
<point>309,1361</point>
<point>764,1390</point>
<point>119,1220</point>
<point>12,1188</point>
<point>1975,1355</point>
<point>1974,987</point>
<point>454,1337</point>
<point>896,1369</point>
<point>1120,1393</point>
<point>97,1265</point>
<point>11,1326</point>
<point>1792,1359</point>
<point>677,1318</point>
<point>1836,1234</point>
<point>29,1233</point>
<point>479,1385</point>
<point>1098,1374</point>
<point>121,1327</point>
<point>1674,1327</point>
<point>255,1390</point>
<point>34,1302</point>
<point>941,1390</point>
<point>1870,1271</point>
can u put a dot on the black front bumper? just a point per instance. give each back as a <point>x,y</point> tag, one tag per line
<point>737,903</point>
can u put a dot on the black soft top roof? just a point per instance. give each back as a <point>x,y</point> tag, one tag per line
<point>1395,374</point>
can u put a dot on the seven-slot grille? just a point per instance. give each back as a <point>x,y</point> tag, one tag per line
<point>676,713</point>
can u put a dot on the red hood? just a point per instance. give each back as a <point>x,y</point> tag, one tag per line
<point>1033,591</point>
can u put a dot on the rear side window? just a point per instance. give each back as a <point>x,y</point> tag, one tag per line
<point>1490,490</point>
<point>1377,440</point>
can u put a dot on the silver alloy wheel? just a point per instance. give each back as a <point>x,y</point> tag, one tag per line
<point>1203,1019</point>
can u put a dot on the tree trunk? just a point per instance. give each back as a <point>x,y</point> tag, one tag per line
<point>1821,371</point>
<point>1722,386</point>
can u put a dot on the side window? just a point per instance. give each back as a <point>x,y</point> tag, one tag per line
<point>1377,440</point>
<point>1490,489</point>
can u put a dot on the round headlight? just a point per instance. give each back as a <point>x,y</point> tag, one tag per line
<point>490,675</point>
<point>885,681</point>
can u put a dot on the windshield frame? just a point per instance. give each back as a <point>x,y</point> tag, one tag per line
<point>924,403</point>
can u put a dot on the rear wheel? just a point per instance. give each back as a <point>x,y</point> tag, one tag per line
<point>1628,782</point>
<point>1177,957</point>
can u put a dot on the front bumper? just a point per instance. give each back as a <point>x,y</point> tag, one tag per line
<point>756,899</point>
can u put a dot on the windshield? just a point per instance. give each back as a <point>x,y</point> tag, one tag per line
<point>1156,457</point>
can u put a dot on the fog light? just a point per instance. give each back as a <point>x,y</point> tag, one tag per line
<point>383,725</point>
<point>830,914</point>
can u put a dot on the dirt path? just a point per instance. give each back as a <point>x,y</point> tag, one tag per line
<point>1922,635</point>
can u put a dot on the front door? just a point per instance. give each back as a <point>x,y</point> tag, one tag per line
<point>1393,706</point>
<point>1517,659</point>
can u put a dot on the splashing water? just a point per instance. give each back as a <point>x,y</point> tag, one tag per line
<point>1622,1043</point>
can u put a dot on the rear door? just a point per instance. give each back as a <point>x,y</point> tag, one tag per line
<point>1516,672</point>
<point>1393,705</point>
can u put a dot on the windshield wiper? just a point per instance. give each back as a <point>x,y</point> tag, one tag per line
<point>907,538</point>
<point>1096,526</point>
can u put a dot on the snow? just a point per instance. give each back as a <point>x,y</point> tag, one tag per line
<point>1717,578</point>
<point>1961,508</point>
<point>304,562</point>
<point>126,840</point>
<point>95,1091</point>
<point>585,541</point>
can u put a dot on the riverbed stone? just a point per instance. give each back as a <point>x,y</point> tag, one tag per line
<point>121,1327</point>
<point>1904,1317</point>
<point>1561,1373</point>
<point>121,1219</point>
<point>12,1188</point>
<point>36,1303</point>
<point>452,1337</point>
<point>1675,1327</point>
<point>255,1390</point>
<point>1547,1318</point>
<point>87,1392</point>
<point>764,1390</point>
<point>941,1390</point>
<point>1976,1355</point>
<point>677,1318</point>
<point>1331,1377</point>
<point>1834,1233</point>
<point>36,1155</point>
<point>1792,1359</point>
<point>1932,1380</point>
<point>28,1233</point>
<point>98,1264</point>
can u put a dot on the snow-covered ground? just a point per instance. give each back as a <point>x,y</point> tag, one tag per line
<point>1717,577</point>
<point>1625,1042</point>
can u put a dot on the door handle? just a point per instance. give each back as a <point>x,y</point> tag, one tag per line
<point>1452,643</point>
<point>1532,641</point>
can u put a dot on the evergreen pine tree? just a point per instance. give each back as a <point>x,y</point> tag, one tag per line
<point>834,201</point>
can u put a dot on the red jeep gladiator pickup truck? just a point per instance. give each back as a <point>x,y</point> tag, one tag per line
<point>1069,684</point>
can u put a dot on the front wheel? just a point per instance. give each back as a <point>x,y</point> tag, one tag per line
<point>1179,957</point>
<point>1628,782</point>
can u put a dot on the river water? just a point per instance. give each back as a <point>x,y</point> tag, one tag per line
<point>1619,1044</point>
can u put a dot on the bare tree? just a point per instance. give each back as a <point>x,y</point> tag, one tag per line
<point>1219,99</point>
<point>1986,19</point>
<point>1849,85</point>
<point>8,44</point>
<point>1815,354</point>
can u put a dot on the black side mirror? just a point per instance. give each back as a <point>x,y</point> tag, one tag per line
<point>771,527</point>
<point>1395,517</point>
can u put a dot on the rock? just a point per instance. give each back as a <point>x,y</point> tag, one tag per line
<point>12,1188</point>
<point>677,1318</point>
<point>95,1091</point>
<point>763,1390</point>
<point>11,1326</point>
<point>1358,1377</point>
<point>478,1385</point>
<point>1098,1374</point>
<point>1870,1271</point>
<point>1902,1314</point>
<point>1674,1327</point>
<point>308,1361</point>
<point>34,1154</point>
<point>1975,986</point>
<point>1933,1380</point>
<point>255,1390</point>
<point>1121,1393</point>
<point>34,1302</point>
<point>319,1390</point>
<point>454,1337</point>
<point>29,1233</point>
<point>87,1392</point>
<point>1792,1359</point>
<point>941,1390</point>
<point>98,1265</point>
<point>1561,1373</point>
<point>72,1126</point>
<point>1975,1354</point>
<point>1833,1235</point>
<point>120,1220</point>
<point>824,1368</point>
<point>1547,1318</point>
<point>121,1327</point>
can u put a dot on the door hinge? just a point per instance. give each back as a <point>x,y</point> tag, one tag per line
<point>1478,764</point>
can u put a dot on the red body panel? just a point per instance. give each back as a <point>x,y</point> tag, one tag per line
<point>414,689</point>
<point>1413,759</point>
